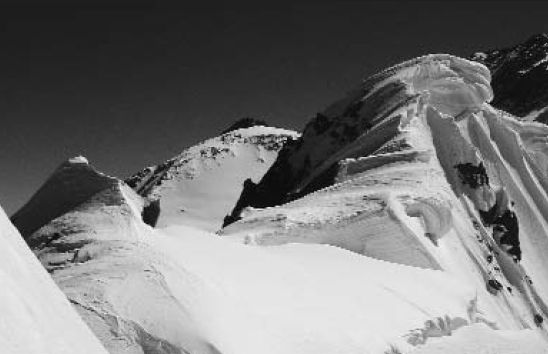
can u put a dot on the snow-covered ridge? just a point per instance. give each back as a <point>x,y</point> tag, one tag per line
<point>453,84</point>
<point>424,179</point>
<point>200,186</point>
<point>450,84</point>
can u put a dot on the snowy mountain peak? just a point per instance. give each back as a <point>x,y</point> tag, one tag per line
<point>520,77</point>
<point>414,167</point>
<point>201,185</point>
<point>72,183</point>
<point>367,119</point>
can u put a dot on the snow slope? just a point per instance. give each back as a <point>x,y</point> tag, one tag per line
<point>309,298</point>
<point>200,186</point>
<point>35,316</point>
<point>182,290</point>
<point>423,186</point>
<point>375,232</point>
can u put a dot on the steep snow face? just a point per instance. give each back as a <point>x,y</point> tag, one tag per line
<point>72,183</point>
<point>424,186</point>
<point>200,186</point>
<point>366,120</point>
<point>520,77</point>
<point>36,317</point>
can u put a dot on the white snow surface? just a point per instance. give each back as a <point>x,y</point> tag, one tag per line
<point>200,186</point>
<point>35,316</point>
<point>478,339</point>
<point>79,159</point>
<point>392,257</point>
<point>405,202</point>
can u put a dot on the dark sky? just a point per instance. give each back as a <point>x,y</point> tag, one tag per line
<point>132,86</point>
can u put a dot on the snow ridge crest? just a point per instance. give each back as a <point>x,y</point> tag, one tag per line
<point>452,84</point>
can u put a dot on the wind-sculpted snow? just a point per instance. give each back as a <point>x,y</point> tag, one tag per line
<point>201,185</point>
<point>453,85</point>
<point>434,172</point>
<point>436,217</point>
<point>369,118</point>
<point>35,316</point>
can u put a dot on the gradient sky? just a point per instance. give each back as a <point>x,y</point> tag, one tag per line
<point>129,87</point>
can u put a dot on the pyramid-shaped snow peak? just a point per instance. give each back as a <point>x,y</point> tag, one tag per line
<point>72,183</point>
